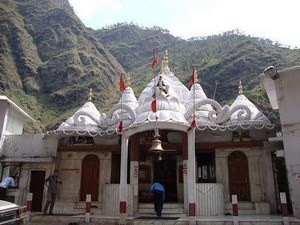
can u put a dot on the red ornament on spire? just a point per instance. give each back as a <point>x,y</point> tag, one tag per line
<point>193,124</point>
<point>122,83</point>
<point>192,78</point>
<point>154,61</point>
<point>121,126</point>
<point>153,105</point>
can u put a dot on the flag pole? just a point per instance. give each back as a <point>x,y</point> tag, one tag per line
<point>155,60</point>
<point>194,89</point>
<point>122,89</point>
<point>192,81</point>
<point>154,102</point>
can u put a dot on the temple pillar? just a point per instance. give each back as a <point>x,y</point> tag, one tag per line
<point>123,181</point>
<point>134,169</point>
<point>191,179</point>
<point>184,170</point>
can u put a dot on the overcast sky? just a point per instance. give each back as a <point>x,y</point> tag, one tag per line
<point>277,20</point>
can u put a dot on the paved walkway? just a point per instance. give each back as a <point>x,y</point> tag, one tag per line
<point>40,219</point>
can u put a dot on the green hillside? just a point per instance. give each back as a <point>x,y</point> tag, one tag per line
<point>49,59</point>
<point>223,59</point>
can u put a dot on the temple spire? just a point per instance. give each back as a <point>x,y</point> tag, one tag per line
<point>165,61</point>
<point>127,81</point>
<point>166,58</point>
<point>240,88</point>
<point>90,94</point>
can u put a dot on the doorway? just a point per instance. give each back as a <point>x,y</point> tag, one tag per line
<point>90,177</point>
<point>281,181</point>
<point>239,176</point>
<point>165,173</point>
<point>37,182</point>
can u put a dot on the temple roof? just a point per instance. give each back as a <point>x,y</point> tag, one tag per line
<point>175,103</point>
<point>82,119</point>
<point>170,102</point>
<point>257,118</point>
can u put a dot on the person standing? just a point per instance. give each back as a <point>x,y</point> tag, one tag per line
<point>52,181</point>
<point>158,191</point>
<point>8,182</point>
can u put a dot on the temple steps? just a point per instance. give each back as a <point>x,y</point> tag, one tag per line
<point>169,209</point>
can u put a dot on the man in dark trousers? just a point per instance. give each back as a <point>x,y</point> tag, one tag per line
<point>159,196</point>
<point>52,181</point>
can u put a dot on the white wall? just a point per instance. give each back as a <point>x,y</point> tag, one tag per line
<point>288,92</point>
<point>15,123</point>
<point>29,145</point>
<point>3,107</point>
<point>256,169</point>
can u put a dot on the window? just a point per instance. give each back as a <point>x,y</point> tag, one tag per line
<point>206,167</point>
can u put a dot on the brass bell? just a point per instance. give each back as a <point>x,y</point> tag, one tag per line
<point>156,147</point>
<point>159,157</point>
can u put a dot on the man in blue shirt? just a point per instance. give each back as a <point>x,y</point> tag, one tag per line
<point>8,182</point>
<point>159,196</point>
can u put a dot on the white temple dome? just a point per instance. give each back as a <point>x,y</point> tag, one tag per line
<point>82,119</point>
<point>170,103</point>
<point>257,118</point>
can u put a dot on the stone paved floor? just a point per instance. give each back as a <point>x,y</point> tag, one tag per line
<point>39,219</point>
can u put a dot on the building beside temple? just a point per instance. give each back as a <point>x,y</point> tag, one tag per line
<point>226,153</point>
<point>283,91</point>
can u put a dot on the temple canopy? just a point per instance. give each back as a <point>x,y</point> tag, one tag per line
<point>175,103</point>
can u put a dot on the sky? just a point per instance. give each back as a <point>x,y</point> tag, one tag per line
<point>277,20</point>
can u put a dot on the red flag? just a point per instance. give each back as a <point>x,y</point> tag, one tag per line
<point>192,79</point>
<point>154,61</point>
<point>153,105</point>
<point>122,84</point>
<point>193,124</point>
<point>121,126</point>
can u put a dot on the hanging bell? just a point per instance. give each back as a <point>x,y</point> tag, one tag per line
<point>156,147</point>
<point>159,157</point>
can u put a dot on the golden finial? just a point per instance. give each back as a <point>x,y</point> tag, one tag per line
<point>164,61</point>
<point>90,94</point>
<point>240,88</point>
<point>166,58</point>
<point>195,76</point>
<point>127,81</point>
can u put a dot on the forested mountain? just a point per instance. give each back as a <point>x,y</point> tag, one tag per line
<point>48,59</point>
<point>220,59</point>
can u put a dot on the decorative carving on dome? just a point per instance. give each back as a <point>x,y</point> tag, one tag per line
<point>79,119</point>
<point>218,114</point>
<point>120,110</point>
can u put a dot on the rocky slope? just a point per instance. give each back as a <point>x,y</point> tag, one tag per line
<point>49,59</point>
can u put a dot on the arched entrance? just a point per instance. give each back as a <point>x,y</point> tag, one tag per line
<point>90,177</point>
<point>239,176</point>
